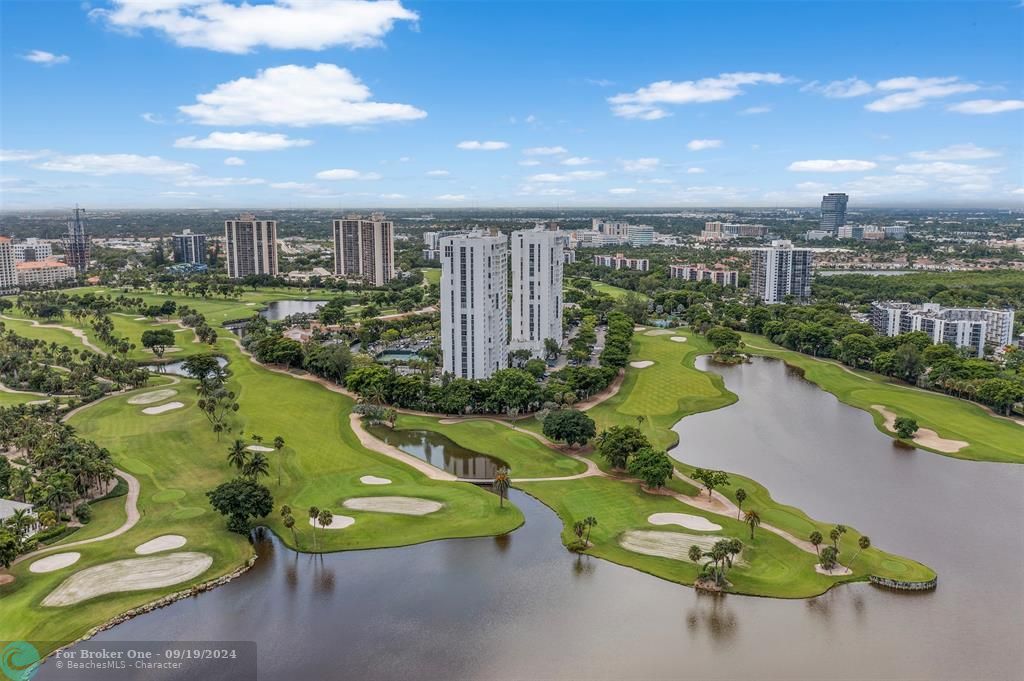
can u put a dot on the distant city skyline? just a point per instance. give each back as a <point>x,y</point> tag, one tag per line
<point>360,104</point>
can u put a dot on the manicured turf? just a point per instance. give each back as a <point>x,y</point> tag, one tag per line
<point>614,291</point>
<point>432,275</point>
<point>177,458</point>
<point>991,438</point>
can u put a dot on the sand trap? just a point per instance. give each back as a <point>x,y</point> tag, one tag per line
<point>690,522</point>
<point>169,348</point>
<point>55,562</point>
<point>6,579</point>
<point>924,436</point>
<point>678,339</point>
<point>338,522</point>
<point>161,543</point>
<point>132,574</point>
<point>643,364</point>
<point>639,328</point>
<point>250,304</point>
<point>259,448</point>
<point>674,545</point>
<point>374,480</point>
<point>153,396</point>
<point>402,505</point>
<point>140,319</point>
<point>162,408</point>
<point>837,571</point>
<point>658,332</point>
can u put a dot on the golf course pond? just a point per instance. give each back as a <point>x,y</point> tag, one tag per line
<point>440,452</point>
<point>178,368</point>
<point>520,606</point>
<point>279,309</point>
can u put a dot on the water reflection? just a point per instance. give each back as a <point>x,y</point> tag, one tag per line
<point>178,368</point>
<point>279,309</point>
<point>440,452</point>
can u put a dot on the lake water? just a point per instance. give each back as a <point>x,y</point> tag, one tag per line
<point>874,273</point>
<point>440,452</point>
<point>178,368</point>
<point>522,607</point>
<point>279,309</point>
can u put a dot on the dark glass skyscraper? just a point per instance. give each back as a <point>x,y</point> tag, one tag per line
<point>833,211</point>
<point>76,243</point>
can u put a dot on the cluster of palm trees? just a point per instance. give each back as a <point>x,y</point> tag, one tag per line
<point>720,558</point>
<point>60,467</point>
<point>253,465</point>
<point>581,526</point>
<point>828,557</point>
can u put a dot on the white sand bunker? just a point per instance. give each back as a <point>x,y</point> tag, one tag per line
<point>837,571</point>
<point>639,328</point>
<point>132,574</point>
<point>169,348</point>
<point>643,364</point>
<point>140,319</point>
<point>338,522</point>
<point>259,448</point>
<point>160,409</point>
<point>153,396</point>
<point>374,480</point>
<point>162,543</point>
<point>658,332</point>
<point>690,522</point>
<point>674,545</point>
<point>250,304</point>
<point>924,436</point>
<point>678,339</point>
<point>402,505</point>
<point>55,562</point>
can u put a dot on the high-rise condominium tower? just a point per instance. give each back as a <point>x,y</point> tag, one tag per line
<point>8,275</point>
<point>474,291</point>
<point>365,248</point>
<point>250,246</point>
<point>833,211</point>
<point>76,243</point>
<point>537,260</point>
<point>781,270</point>
<point>189,248</point>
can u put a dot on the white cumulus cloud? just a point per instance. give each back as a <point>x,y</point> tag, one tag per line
<point>234,161</point>
<point>911,92</point>
<point>840,89</point>
<point>477,145</point>
<point>567,177</point>
<point>204,181</point>
<point>11,155</point>
<point>451,197</point>
<point>45,58</point>
<point>956,152</point>
<point>700,145</point>
<point>545,151</point>
<point>578,161</point>
<point>831,166</point>
<point>346,174</point>
<point>695,171</point>
<point>116,164</point>
<point>647,103</point>
<point>640,165</point>
<point>240,27</point>
<point>988,106</point>
<point>242,141</point>
<point>325,94</point>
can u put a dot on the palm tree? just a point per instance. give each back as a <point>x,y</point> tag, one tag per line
<point>257,438</point>
<point>314,514</point>
<point>816,539</point>
<point>237,454</point>
<point>256,467</point>
<point>695,553</point>
<point>836,534</point>
<point>752,518</point>
<point>285,510</point>
<point>501,484</point>
<point>864,542</point>
<point>326,518</point>
<point>590,521</point>
<point>640,418</point>
<point>279,445</point>
<point>741,496</point>
<point>289,522</point>
<point>577,528</point>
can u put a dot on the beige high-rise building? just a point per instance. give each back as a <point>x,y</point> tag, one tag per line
<point>364,248</point>
<point>250,246</point>
<point>8,275</point>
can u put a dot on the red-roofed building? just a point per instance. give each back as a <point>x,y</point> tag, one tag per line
<point>43,273</point>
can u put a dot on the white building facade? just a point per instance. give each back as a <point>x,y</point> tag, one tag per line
<point>8,275</point>
<point>32,249</point>
<point>537,259</point>
<point>365,248</point>
<point>474,295</point>
<point>250,246</point>
<point>781,270</point>
<point>962,327</point>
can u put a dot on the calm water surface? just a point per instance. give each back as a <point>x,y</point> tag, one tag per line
<point>178,368</point>
<point>521,607</point>
<point>279,309</point>
<point>440,452</point>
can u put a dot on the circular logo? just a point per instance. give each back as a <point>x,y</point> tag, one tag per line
<point>19,661</point>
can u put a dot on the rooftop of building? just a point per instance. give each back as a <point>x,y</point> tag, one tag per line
<point>40,264</point>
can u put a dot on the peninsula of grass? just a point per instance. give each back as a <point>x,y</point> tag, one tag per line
<point>772,566</point>
<point>177,458</point>
<point>989,437</point>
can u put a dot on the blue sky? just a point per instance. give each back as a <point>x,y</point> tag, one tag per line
<point>309,103</point>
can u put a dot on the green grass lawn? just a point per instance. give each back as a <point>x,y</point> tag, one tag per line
<point>432,275</point>
<point>615,291</point>
<point>991,438</point>
<point>177,458</point>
